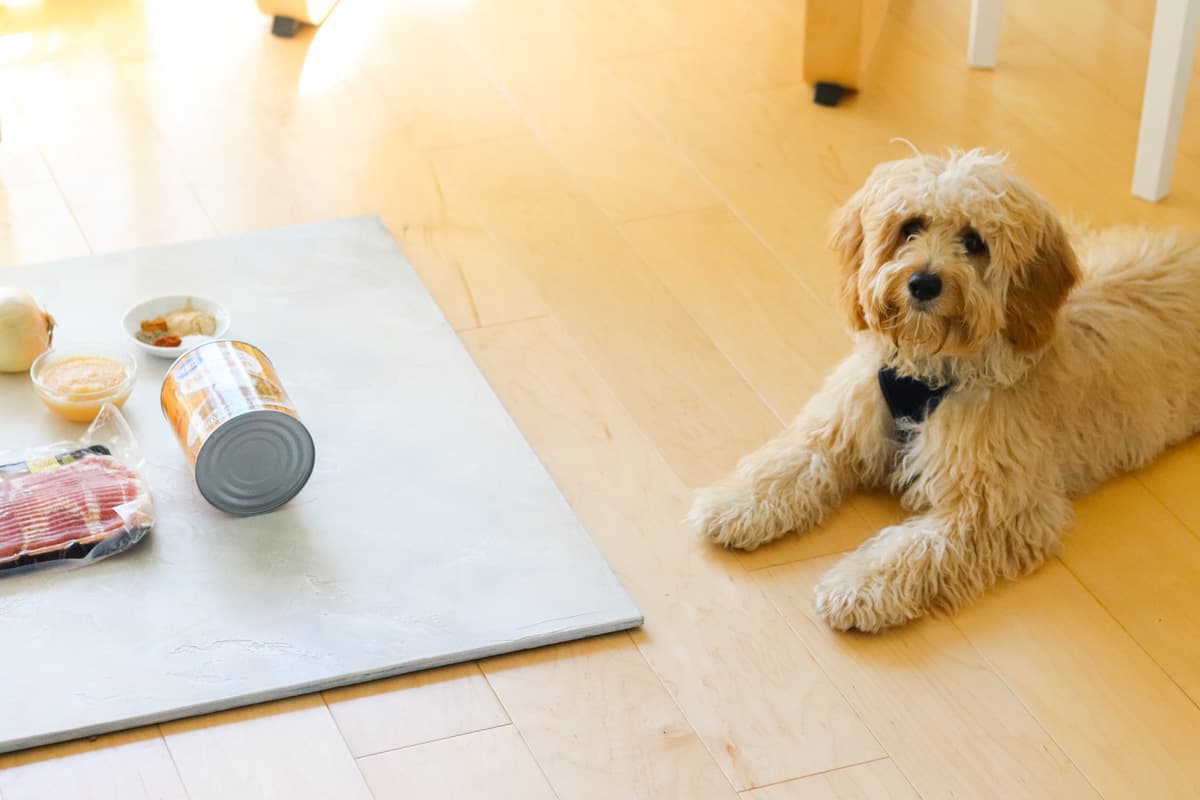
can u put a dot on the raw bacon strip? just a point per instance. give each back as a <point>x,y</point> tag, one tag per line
<point>81,503</point>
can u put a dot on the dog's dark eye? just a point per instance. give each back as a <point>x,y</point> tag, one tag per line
<point>912,228</point>
<point>973,243</point>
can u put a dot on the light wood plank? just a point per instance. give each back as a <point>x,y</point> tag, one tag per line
<point>577,109</point>
<point>708,624</point>
<point>1081,104</point>
<point>715,120</point>
<point>133,765</point>
<point>785,194</point>
<point>139,216</point>
<point>573,30</point>
<point>601,725</point>
<point>262,174</point>
<point>119,212</point>
<point>878,780</point>
<point>666,371</point>
<point>429,84</point>
<point>414,709</point>
<point>1141,563</point>
<point>36,223</point>
<point>1171,479</point>
<point>492,764</point>
<point>1111,50</point>
<point>782,337</point>
<point>287,749</point>
<point>469,271</point>
<point>38,23</point>
<point>944,716</point>
<point>732,38</point>
<point>121,181</point>
<point>1067,659</point>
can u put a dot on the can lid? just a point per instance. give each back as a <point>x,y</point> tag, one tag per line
<point>255,462</point>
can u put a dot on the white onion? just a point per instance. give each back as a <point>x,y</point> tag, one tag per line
<point>25,330</point>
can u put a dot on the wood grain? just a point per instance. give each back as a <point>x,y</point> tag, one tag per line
<point>1043,636</point>
<point>948,721</point>
<point>36,223</point>
<point>291,748</point>
<point>576,107</point>
<point>1141,563</point>
<point>133,765</point>
<point>1171,480</point>
<point>877,780</point>
<point>493,764</point>
<point>413,709</point>
<point>600,724</point>
<point>783,337</point>
<point>625,320</point>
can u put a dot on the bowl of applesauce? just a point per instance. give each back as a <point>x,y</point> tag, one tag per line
<point>76,383</point>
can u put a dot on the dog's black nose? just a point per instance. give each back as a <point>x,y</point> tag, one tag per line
<point>924,285</point>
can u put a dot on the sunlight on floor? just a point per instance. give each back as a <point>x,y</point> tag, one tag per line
<point>15,46</point>
<point>330,56</point>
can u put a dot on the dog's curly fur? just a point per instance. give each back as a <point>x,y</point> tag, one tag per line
<point>1071,357</point>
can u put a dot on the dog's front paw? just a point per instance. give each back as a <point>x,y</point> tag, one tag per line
<point>855,595</point>
<point>732,517</point>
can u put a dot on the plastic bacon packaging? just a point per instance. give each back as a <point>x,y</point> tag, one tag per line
<point>73,503</point>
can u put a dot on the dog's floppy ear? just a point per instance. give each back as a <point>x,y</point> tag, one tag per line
<point>846,240</point>
<point>1040,288</point>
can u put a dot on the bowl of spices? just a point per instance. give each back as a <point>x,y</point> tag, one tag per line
<point>167,327</point>
<point>76,383</point>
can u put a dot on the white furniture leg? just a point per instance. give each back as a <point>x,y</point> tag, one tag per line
<point>1172,47</point>
<point>984,38</point>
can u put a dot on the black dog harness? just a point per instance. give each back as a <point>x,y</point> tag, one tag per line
<point>910,400</point>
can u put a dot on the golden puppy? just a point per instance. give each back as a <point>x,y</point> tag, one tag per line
<point>999,369</point>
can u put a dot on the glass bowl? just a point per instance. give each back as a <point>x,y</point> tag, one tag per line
<point>82,405</point>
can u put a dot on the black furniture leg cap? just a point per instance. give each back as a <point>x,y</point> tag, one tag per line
<point>285,27</point>
<point>828,94</point>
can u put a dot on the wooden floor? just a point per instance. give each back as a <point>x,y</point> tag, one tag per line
<point>621,206</point>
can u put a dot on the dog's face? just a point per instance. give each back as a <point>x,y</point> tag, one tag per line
<point>944,256</point>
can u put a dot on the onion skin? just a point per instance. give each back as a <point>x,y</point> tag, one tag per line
<point>26,331</point>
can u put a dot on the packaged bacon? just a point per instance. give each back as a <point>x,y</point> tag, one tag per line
<point>73,503</point>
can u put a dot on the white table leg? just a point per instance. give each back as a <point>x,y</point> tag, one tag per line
<point>984,38</point>
<point>1172,47</point>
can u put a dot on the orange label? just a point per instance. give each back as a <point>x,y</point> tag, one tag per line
<point>214,383</point>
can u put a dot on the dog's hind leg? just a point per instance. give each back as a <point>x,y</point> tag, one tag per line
<point>840,442</point>
<point>936,561</point>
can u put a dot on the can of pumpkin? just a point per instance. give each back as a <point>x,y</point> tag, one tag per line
<point>249,451</point>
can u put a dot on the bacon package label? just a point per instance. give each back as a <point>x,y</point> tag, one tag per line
<point>73,503</point>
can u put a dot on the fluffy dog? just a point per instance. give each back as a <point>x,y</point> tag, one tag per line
<point>1000,367</point>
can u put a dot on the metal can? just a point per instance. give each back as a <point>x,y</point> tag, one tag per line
<point>249,451</point>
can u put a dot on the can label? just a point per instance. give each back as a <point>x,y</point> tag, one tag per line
<point>215,382</point>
